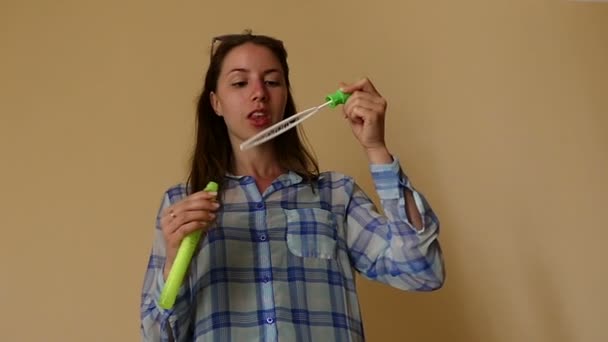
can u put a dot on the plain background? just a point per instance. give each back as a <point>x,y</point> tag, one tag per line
<point>497,111</point>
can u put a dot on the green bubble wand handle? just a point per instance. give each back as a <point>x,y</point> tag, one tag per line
<point>181,263</point>
<point>283,126</point>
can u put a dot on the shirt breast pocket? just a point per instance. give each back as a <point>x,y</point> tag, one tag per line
<point>311,233</point>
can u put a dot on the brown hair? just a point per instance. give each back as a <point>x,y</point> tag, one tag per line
<point>212,157</point>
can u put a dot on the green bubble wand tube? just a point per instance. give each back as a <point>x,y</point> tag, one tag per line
<point>181,263</point>
<point>283,126</point>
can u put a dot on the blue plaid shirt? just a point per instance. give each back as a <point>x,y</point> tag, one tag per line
<point>280,266</point>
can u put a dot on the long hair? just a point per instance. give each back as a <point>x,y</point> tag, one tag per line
<point>213,157</point>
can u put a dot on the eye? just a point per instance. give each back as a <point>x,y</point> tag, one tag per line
<point>239,84</point>
<point>273,83</point>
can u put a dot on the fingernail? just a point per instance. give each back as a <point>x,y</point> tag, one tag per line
<point>216,205</point>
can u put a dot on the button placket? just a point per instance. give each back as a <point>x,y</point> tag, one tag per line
<point>259,210</point>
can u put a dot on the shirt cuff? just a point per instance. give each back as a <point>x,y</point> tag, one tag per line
<point>389,180</point>
<point>160,283</point>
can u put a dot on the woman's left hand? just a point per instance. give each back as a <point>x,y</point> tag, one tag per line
<point>365,110</point>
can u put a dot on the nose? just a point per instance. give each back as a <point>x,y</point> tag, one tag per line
<point>259,91</point>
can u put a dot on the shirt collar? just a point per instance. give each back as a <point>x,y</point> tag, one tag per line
<point>284,180</point>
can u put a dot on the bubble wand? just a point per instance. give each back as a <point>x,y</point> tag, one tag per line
<point>181,263</point>
<point>333,100</point>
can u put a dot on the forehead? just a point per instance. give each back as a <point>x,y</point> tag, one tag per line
<point>252,57</point>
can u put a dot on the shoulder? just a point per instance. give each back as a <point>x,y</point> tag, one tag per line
<point>176,192</point>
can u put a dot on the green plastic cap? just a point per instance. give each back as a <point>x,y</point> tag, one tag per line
<point>337,98</point>
<point>212,187</point>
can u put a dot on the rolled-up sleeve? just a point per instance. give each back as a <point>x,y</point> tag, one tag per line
<point>387,247</point>
<point>158,324</point>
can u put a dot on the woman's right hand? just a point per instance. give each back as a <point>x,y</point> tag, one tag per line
<point>195,212</point>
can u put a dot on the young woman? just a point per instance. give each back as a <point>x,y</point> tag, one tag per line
<point>282,241</point>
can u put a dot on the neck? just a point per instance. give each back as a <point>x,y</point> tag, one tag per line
<point>259,162</point>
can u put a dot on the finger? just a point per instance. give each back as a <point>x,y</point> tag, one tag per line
<point>363,84</point>
<point>169,226</point>
<point>192,227</point>
<point>355,111</point>
<point>168,210</point>
<point>176,238</point>
<point>198,204</point>
<point>196,201</point>
<point>203,195</point>
<point>378,106</point>
<point>178,219</point>
<point>168,215</point>
<point>193,216</point>
<point>169,229</point>
<point>366,100</point>
<point>361,114</point>
<point>165,221</point>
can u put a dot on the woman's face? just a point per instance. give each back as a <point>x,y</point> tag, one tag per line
<point>251,91</point>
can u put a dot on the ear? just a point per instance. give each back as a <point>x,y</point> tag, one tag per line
<point>215,103</point>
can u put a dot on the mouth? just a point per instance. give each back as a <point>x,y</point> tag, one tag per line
<point>259,118</point>
<point>256,115</point>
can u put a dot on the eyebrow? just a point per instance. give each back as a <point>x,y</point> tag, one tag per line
<point>266,72</point>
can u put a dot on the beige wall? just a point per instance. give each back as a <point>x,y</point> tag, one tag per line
<point>497,109</point>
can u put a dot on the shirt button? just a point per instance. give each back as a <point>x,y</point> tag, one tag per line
<point>260,205</point>
<point>269,320</point>
<point>266,279</point>
<point>262,237</point>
